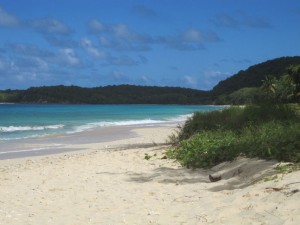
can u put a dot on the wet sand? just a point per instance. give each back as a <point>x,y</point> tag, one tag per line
<point>67,142</point>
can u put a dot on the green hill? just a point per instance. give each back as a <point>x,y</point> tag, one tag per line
<point>254,75</point>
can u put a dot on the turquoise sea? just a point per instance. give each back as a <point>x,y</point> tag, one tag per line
<point>19,121</point>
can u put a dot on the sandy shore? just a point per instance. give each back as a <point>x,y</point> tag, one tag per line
<point>111,183</point>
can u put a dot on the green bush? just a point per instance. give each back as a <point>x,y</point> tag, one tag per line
<point>234,118</point>
<point>205,149</point>
<point>268,132</point>
<point>273,140</point>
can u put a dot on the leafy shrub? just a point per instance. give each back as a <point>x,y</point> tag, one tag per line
<point>269,132</point>
<point>205,121</point>
<point>273,140</point>
<point>234,118</point>
<point>206,149</point>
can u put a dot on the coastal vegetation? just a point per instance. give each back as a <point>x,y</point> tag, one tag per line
<point>241,88</point>
<point>268,129</point>
<point>269,132</point>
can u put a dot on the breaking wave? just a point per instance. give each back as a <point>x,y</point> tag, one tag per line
<point>11,129</point>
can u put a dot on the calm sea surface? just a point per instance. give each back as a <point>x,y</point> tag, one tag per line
<point>18,121</point>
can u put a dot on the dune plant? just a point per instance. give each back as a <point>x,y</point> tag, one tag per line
<point>233,118</point>
<point>268,131</point>
<point>205,149</point>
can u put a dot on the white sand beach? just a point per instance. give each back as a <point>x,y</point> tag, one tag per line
<point>110,183</point>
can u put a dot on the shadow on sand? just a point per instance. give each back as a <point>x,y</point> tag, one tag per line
<point>237,174</point>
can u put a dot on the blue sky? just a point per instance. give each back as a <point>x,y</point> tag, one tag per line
<point>186,43</point>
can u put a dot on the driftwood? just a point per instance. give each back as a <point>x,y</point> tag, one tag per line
<point>214,178</point>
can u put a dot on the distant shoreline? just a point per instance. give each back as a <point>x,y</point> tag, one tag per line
<point>20,121</point>
<point>60,143</point>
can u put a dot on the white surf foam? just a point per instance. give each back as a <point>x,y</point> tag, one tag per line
<point>181,118</point>
<point>29,128</point>
<point>116,123</point>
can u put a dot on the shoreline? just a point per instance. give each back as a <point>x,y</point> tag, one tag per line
<point>29,121</point>
<point>112,183</point>
<point>60,143</point>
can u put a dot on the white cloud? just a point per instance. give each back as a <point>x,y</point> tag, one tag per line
<point>7,19</point>
<point>122,61</point>
<point>190,81</point>
<point>62,41</point>
<point>225,20</point>
<point>212,73</point>
<point>243,20</point>
<point>145,80</point>
<point>110,59</point>
<point>96,53</point>
<point>50,26</point>
<point>144,11</point>
<point>5,65</point>
<point>193,35</point>
<point>95,26</point>
<point>189,40</point>
<point>120,37</point>
<point>69,56</point>
<point>22,70</point>
<point>25,76</point>
<point>257,22</point>
<point>122,31</point>
<point>212,77</point>
<point>42,65</point>
<point>104,41</point>
<point>215,74</point>
<point>30,64</point>
<point>29,50</point>
<point>178,43</point>
<point>119,77</point>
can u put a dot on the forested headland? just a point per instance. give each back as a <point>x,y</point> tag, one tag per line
<point>242,88</point>
<point>267,126</point>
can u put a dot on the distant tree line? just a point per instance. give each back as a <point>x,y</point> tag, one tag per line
<point>274,80</point>
<point>121,94</point>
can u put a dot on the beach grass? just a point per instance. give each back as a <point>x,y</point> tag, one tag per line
<point>268,132</point>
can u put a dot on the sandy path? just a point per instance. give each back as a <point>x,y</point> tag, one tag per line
<point>108,186</point>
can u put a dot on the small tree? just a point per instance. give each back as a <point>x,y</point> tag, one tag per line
<point>285,89</point>
<point>269,87</point>
<point>294,73</point>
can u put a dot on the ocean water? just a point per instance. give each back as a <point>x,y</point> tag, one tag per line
<point>19,121</point>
